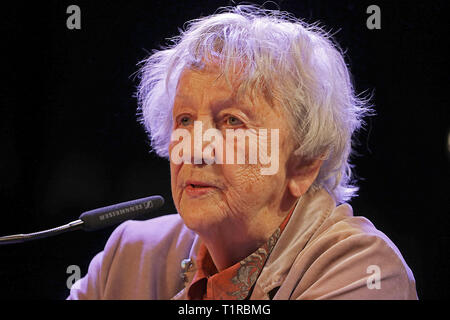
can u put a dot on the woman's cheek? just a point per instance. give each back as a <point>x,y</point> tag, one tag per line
<point>244,183</point>
<point>175,185</point>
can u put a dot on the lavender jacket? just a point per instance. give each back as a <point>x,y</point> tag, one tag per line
<point>324,253</point>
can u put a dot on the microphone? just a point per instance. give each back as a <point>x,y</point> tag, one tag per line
<point>97,219</point>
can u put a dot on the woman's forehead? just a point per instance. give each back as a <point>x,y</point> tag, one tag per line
<point>208,75</point>
<point>224,86</point>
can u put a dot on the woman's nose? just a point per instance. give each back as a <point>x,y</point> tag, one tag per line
<point>202,152</point>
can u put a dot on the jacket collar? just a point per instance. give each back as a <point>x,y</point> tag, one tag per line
<point>311,211</point>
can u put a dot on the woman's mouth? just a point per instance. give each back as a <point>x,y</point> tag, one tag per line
<point>195,189</point>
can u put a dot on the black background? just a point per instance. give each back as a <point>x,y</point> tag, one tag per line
<point>70,142</point>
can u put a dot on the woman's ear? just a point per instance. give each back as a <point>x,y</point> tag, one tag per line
<point>302,175</point>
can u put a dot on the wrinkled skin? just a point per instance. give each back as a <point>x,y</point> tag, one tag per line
<point>242,208</point>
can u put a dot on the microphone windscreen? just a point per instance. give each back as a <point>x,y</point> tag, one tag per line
<point>111,215</point>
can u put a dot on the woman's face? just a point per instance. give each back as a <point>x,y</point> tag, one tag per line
<point>234,196</point>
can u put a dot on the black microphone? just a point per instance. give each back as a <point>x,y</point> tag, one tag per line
<point>97,219</point>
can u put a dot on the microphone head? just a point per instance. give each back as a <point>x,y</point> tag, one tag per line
<point>111,215</point>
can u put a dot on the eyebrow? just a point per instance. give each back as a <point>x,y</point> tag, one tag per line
<point>220,105</point>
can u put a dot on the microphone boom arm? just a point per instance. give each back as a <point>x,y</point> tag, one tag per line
<point>19,238</point>
<point>97,219</point>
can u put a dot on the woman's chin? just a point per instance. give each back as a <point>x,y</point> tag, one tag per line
<point>200,218</point>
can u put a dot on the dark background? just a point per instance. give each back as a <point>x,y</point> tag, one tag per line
<point>69,140</point>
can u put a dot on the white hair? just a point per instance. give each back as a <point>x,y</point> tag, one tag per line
<point>295,63</point>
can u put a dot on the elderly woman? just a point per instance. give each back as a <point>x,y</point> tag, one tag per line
<point>272,222</point>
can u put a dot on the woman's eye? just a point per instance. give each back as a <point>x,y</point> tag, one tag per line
<point>185,120</point>
<point>233,121</point>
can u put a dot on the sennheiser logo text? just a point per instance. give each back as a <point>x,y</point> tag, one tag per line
<point>115,213</point>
